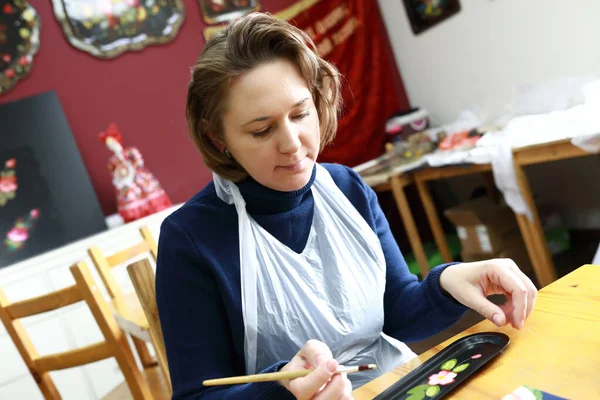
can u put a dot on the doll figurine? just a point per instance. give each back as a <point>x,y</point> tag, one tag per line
<point>139,193</point>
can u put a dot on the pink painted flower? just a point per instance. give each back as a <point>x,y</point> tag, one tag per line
<point>34,213</point>
<point>442,378</point>
<point>18,234</point>
<point>476,356</point>
<point>104,6</point>
<point>7,185</point>
<point>11,163</point>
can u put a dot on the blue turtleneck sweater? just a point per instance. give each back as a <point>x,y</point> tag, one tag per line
<point>199,291</point>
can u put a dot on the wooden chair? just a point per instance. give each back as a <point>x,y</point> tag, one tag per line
<point>144,281</point>
<point>114,345</point>
<point>126,306</point>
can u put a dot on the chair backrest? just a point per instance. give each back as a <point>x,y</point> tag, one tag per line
<point>104,263</point>
<point>144,282</point>
<point>114,345</point>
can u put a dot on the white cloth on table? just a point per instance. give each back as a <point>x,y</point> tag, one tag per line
<point>580,123</point>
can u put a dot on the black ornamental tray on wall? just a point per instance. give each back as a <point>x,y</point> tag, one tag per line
<point>19,41</point>
<point>107,28</point>
<point>443,372</point>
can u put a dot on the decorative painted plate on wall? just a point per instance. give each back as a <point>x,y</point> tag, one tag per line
<point>107,28</point>
<point>216,11</point>
<point>19,41</point>
<point>424,14</point>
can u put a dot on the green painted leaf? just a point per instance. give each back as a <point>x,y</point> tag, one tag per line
<point>461,367</point>
<point>432,391</point>
<point>536,392</point>
<point>448,365</point>
<point>417,393</point>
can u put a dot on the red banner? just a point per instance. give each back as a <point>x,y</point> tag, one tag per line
<point>350,34</point>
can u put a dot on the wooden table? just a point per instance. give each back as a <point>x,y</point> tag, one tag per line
<point>558,350</point>
<point>396,183</point>
<point>531,230</point>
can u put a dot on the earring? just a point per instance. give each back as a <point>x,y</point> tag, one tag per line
<point>227,153</point>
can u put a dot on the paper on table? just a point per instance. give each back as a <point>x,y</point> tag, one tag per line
<point>589,143</point>
<point>580,123</point>
<point>526,392</point>
<point>596,260</point>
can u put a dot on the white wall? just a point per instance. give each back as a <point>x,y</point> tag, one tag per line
<point>480,54</point>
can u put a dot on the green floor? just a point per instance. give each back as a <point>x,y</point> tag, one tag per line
<point>434,257</point>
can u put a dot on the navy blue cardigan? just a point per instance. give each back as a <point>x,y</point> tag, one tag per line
<point>199,293</point>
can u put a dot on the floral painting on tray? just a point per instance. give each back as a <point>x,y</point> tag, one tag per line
<point>216,11</point>
<point>19,41</point>
<point>46,197</point>
<point>29,220</point>
<point>423,14</point>
<point>107,28</point>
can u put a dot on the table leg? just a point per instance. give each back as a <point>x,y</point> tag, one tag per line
<point>543,266</point>
<point>490,185</point>
<point>398,185</point>
<point>434,220</point>
<point>529,244</point>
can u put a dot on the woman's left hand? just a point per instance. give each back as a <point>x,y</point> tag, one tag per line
<point>471,283</point>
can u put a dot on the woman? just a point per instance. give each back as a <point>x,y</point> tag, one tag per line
<point>282,263</point>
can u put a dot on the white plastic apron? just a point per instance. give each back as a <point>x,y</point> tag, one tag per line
<point>332,291</point>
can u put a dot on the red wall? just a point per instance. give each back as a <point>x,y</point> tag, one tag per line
<point>142,92</point>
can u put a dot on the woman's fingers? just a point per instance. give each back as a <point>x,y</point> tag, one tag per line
<point>532,295</point>
<point>318,356</point>
<point>311,384</point>
<point>315,353</point>
<point>336,389</point>
<point>531,289</point>
<point>476,300</point>
<point>347,394</point>
<point>516,289</point>
<point>471,283</point>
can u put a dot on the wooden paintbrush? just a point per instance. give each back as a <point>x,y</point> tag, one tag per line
<point>280,376</point>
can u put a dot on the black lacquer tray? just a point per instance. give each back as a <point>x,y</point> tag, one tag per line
<point>443,372</point>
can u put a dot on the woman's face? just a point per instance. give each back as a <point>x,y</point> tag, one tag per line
<point>271,127</point>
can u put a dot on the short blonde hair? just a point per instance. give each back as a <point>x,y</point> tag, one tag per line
<point>246,43</point>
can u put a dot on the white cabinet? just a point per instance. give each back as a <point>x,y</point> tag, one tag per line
<point>23,388</point>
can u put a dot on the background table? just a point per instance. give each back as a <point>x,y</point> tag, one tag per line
<point>531,230</point>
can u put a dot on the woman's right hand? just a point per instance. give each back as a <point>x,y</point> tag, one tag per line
<point>320,384</point>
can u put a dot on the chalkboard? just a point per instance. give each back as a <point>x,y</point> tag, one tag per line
<point>46,197</point>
